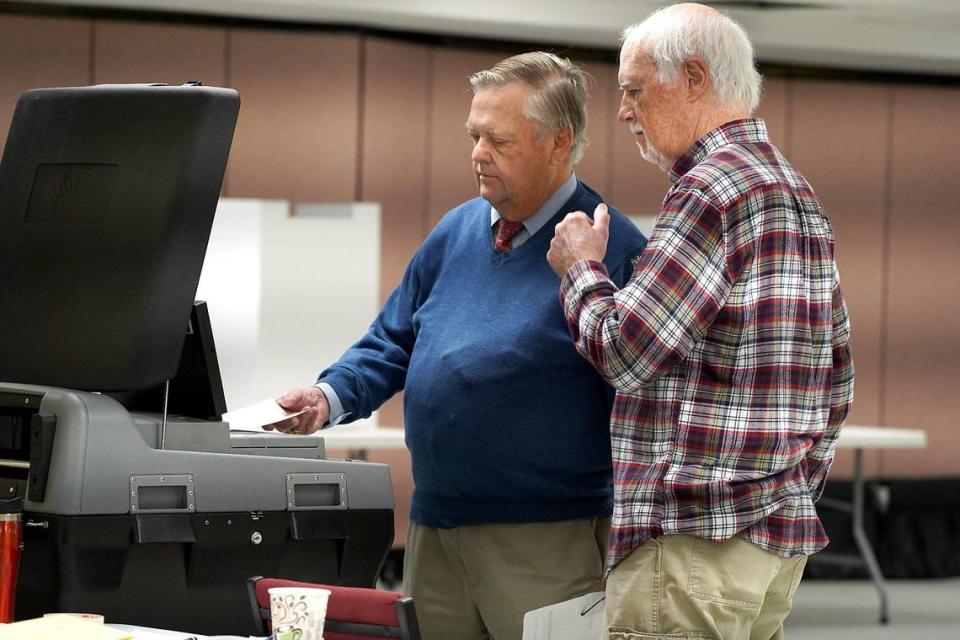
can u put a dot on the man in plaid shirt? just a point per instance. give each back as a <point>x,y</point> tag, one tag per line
<point>728,347</point>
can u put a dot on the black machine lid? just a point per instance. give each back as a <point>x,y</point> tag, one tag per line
<point>107,198</point>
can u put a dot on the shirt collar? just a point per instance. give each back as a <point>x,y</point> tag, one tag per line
<point>748,130</point>
<point>535,222</point>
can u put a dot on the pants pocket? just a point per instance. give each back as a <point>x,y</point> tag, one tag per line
<point>797,575</point>
<point>735,573</point>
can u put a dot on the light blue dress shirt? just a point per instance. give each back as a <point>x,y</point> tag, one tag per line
<point>535,222</point>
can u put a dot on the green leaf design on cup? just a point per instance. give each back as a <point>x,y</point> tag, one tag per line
<point>287,632</point>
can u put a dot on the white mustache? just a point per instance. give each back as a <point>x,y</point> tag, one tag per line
<point>635,129</point>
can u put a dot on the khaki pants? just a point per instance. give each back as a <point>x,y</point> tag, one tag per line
<point>679,586</point>
<point>475,583</point>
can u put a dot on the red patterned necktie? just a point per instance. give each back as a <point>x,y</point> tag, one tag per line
<point>505,233</point>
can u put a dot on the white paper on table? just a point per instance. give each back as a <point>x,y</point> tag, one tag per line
<point>577,619</point>
<point>254,417</point>
<point>150,633</point>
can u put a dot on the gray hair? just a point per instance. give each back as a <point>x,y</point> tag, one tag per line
<point>672,36</point>
<point>560,92</point>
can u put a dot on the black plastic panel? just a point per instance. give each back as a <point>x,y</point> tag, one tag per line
<point>109,194</point>
<point>94,563</point>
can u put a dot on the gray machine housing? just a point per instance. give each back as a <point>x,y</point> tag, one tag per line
<point>99,448</point>
<point>193,520</point>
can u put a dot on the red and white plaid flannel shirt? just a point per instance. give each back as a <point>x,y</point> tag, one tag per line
<point>729,352</point>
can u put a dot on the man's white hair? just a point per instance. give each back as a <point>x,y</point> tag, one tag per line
<point>672,36</point>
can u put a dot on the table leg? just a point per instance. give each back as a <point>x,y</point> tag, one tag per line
<point>860,536</point>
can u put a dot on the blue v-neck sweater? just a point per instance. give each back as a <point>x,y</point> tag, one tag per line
<point>504,420</point>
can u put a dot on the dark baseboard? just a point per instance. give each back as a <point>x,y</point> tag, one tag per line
<point>913,526</point>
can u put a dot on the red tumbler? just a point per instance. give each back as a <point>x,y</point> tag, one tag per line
<point>11,544</point>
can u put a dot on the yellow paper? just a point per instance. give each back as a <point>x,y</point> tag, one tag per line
<point>60,628</point>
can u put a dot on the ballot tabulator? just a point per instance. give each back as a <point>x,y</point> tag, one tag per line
<point>107,197</point>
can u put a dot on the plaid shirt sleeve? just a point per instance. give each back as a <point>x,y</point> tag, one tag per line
<point>679,284</point>
<point>820,456</point>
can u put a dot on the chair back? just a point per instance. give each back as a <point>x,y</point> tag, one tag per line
<point>353,613</point>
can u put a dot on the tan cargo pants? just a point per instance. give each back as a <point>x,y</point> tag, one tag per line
<point>477,582</point>
<point>679,586</point>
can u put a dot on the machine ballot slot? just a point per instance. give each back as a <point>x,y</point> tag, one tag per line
<point>316,491</point>
<point>162,494</point>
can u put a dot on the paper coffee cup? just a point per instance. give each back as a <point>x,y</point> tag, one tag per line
<point>302,609</point>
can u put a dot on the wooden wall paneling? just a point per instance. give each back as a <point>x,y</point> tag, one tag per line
<point>450,177</point>
<point>297,135</point>
<point>132,51</point>
<point>394,148</point>
<point>38,52</point>
<point>128,51</point>
<point>922,364</point>
<point>595,167</point>
<point>395,126</point>
<point>839,133</point>
<point>775,110</point>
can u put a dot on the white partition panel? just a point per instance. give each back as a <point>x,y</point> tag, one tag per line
<point>230,283</point>
<point>287,294</point>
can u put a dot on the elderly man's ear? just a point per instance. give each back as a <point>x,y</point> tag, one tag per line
<point>562,143</point>
<point>697,78</point>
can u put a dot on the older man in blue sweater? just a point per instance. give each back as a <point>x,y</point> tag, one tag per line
<point>507,426</point>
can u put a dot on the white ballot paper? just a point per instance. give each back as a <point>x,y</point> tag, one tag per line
<point>253,418</point>
<point>578,619</point>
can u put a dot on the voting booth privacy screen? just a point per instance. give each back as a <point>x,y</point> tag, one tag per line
<point>107,196</point>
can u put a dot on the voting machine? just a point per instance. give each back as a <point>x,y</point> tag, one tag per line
<point>131,510</point>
